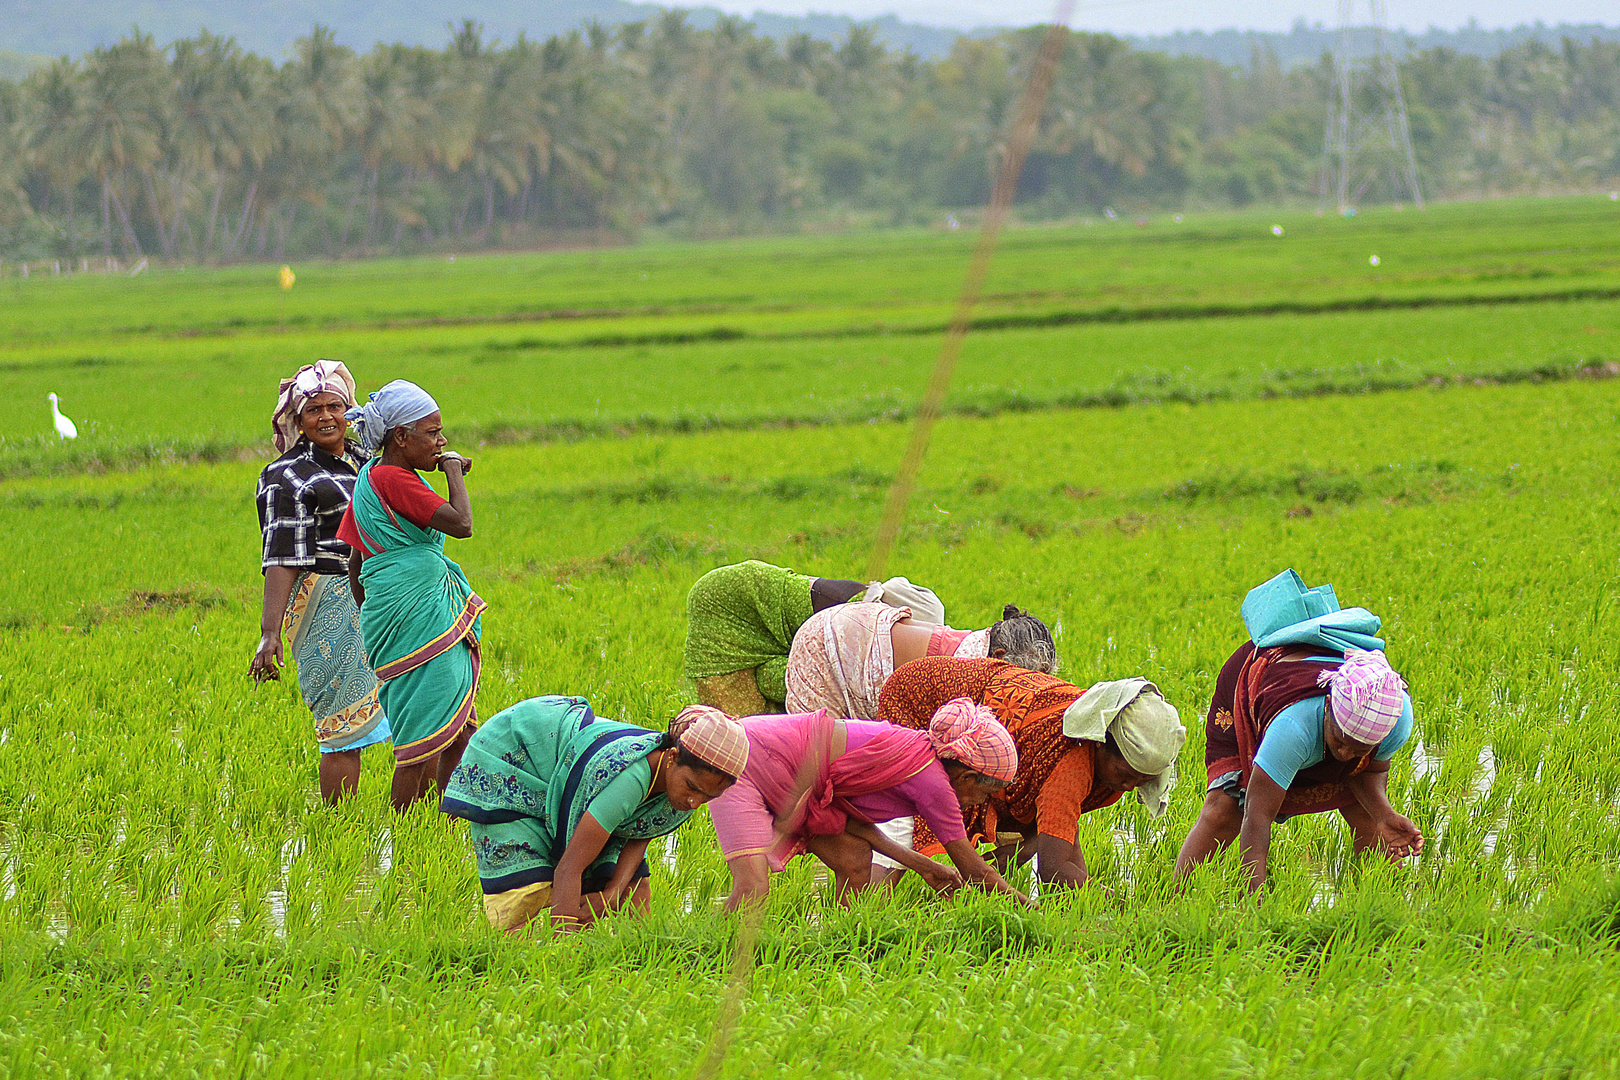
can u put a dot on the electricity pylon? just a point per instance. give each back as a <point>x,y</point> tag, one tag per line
<point>1367,134</point>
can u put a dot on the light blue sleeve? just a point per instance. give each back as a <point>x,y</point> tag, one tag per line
<point>616,802</point>
<point>1292,741</point>
<point>1399,734</point>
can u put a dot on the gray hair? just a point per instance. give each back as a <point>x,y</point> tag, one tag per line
<point>1027,641</point>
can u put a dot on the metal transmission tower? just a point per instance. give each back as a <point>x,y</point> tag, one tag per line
<point>1367,133</point>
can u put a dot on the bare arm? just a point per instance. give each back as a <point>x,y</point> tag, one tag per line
<point>1261,804</point>
<point>568,879</point>
<point>980,873</point>
<point>278,587</point>
<point>1059,862</point>
<point>1398,837</point>
<point>618,886</point>
<point>355,589</point>
<point>750,880</point>
<point>941,878</point>
<point>454,518</point>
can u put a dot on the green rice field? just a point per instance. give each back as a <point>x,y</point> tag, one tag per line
<point>1147,422</point>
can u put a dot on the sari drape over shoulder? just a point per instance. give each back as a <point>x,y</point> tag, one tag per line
<point>792,774</point>
<point>1253,687</point>
<point>1054,785</point>
<point>530,774</point>
<point>421,627</point>
<point>841,658</point>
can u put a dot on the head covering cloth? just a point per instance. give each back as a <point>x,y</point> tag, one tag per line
<point>321,377</point>
<point>1366,694</point>
<point>1146,728</point>
<point>925,604</point>
<point>400,402</point>
<point>971,734</point>
<point>712,737</point>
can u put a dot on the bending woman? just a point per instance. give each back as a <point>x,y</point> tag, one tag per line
<point>821,785</point>
<point>1078,751</point>
<point>740,622</point>
<point>302,497</point>
<point>419,616</point>
<point>562,804</point>
<point>1305,719</point>
<point>842,657</point>
<point>1290,732</point>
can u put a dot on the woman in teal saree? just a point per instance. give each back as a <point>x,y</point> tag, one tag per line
<point>562,803</point>
<point>418,615</point>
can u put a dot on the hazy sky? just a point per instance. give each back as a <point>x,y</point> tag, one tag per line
<point>1160,16</point>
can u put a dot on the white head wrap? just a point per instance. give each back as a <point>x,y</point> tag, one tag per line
<point>399,402</point>
<point>321,377</point>
<point>898,592</point>
<point>1146,728</point>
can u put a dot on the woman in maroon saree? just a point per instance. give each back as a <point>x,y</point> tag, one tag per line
<point>1362,715</point>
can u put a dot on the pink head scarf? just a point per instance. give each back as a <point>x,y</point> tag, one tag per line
<point>712,737</point>
<point>1366,696</point>
<point>972,735</point>
<point>321,377</point>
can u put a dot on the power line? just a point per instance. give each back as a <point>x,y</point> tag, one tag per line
<point>1367,133</point>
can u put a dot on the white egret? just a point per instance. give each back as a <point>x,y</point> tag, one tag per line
<point>65,428</point>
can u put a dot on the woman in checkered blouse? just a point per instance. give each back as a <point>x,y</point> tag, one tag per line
<point>301,499</point>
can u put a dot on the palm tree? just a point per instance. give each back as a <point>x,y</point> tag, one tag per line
<point>316,103</point>
<point>14,202</point>
<point>53,101</point>
<point>220,118</point>
<point>120,125</point>
<point>508,110</point>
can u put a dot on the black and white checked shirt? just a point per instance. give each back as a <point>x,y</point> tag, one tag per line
<point>302,497</point>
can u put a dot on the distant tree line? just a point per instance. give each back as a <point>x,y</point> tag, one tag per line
<point>204,151</point>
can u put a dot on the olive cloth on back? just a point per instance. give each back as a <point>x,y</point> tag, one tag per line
<point>743,617</point>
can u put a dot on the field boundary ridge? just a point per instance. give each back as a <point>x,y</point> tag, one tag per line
<point>41,456</point>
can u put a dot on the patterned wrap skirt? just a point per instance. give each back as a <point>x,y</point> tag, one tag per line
<point>322,624</point>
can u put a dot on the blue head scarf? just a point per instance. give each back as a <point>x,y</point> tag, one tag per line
<point>399,402</point>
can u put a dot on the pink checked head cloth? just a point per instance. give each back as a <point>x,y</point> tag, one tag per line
<point>712,737</point>
<point>971,734</point>
<point>1366,696</point>
<point>321,377</point>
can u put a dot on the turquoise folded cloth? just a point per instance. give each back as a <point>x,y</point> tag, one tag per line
<point>1284,612</point>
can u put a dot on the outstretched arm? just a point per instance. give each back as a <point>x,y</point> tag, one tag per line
<point>750,880</point>
<point>278,587</point>
<point>568,880</point>
<point>1261,804</point>
<point>980,873</point>
<point>618,886</point>
<point>1397,836</point>
<point>1059,862</point>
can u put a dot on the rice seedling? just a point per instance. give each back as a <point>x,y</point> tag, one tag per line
<point>175,898</point>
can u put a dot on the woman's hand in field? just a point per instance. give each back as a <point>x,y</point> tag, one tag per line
<point>1398,837</point>
<point>267,659</point>
<point>943,879</point>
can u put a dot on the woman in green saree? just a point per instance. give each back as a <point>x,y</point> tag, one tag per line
<point>418,615</point>
<point>562,804</point>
